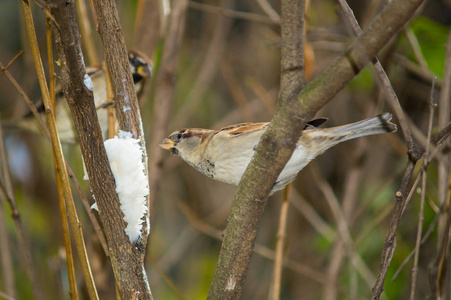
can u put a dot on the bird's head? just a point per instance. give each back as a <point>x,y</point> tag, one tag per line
<point>141,67</point>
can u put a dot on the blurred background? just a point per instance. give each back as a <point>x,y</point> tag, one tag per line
<point>216,63</point>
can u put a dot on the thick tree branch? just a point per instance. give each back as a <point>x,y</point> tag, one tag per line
<point>238,244</point>
<point>277,144</point>
<point>126,258</point>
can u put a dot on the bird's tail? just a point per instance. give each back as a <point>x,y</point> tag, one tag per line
<point>377,125</point>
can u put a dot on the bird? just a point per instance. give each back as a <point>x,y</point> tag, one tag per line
<point>224,154</point>
<point>141,69</point>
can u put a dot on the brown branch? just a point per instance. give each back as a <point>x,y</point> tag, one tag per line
<point>127,259</point>
<point>280,244</point>
<point>423,196</point>
<point>59,184</point>
<point>5,248</point>
<point>58,152</point>
<point>74,180</point>
<point>86,33</point>
<point>250,200</point>
<point>277,144</point>
<point>233,13</point>
<point>436,271</point>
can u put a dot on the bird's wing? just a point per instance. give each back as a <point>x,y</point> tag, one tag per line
<point>243,128</point>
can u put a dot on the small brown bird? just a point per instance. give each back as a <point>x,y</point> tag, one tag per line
<point>224,154</point>
<point>141,70</point>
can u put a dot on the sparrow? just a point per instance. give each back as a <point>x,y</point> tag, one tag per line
<point>141,69</point>
<point>224,154</point>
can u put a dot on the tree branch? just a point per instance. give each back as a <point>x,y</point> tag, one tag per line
<point>277,144</point>
<point>127,259</point>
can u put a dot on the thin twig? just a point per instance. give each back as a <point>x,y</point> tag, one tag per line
<point>5,247</point>
<point>86,33</point>
<point>261,250</point>
<point>436,267</point>
<point>427,234</point>
<point>342,225</point>
<point>3,69</point>
<point>312,216</point>
<point>233,13</point>
<point>423,195</point>
<point>168,280</point>
<point>416,48</point>
<point>267,8</point>
<point>280,243</point>
<point>59,184</point>
<point>236,90</point>
<point>262,94</point>
<point>424,74</point>
<point>443,119</point>
<point>57,151</point>
<point>7,189</point>
<point>390,241</point>
<point>74,180</point>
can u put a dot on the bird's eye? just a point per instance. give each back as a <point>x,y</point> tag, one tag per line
<point>179,136</point>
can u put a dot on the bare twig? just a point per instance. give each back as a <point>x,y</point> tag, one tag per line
<point>280,243</point>
<point>342,225</point>
<point>262,95</point>
<point>312,216</point>
<point>7,269</point>
<point>443,119</point>
<point>269,10</point>
<point>4,68</point>
<point>168,280</point>
<point>384,81</point>
<point>416,48</point>
<point>423,239</point>
<point>414,154</point>
<point>74,180</point>
<point>425,74</point>
<point>437,272</point>
<point>57,151</point>
<point>236,90</point>
<point>437,269</point>
<point>261,250</point>
<point>423,195</point>
<point>59,184</point>
<point>233,13</point>
<point>86,33</point>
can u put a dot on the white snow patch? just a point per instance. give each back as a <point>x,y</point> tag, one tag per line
<point>85,176</point>
<point>125,156</point>
<point>88,82</point>
<point>231,283</point>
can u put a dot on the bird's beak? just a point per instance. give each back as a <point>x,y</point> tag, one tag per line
<point>166,144</point>
<point>145,71</point>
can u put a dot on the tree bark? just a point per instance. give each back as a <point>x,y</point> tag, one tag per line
<point>277,144</point>
<point>127,259</point>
